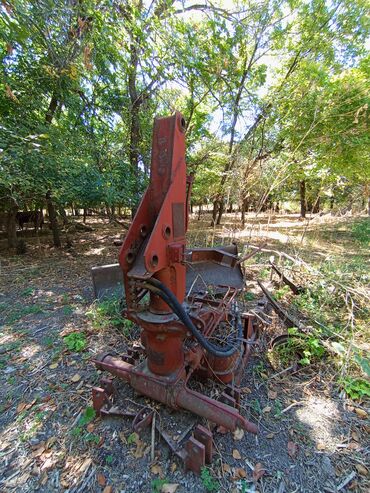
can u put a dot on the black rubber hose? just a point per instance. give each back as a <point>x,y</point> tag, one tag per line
<point>171,300</point>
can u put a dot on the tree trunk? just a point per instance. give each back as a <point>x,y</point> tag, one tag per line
<point>302,195</point>
<point>85,214</point>
<point>220,211</point>
<point>199,211</point>
<point>12,225</point>
<point>53,219</point>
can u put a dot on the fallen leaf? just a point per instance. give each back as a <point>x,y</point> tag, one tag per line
<point>270,435</point>
<point>246,390</point>
<point>238,434</point>
<point>140,449</point>
<point>23,406</point>
<point>50,442</point>
<point>226,468</point>
<point>353,445</point>
<point>272,394</point>
<point>240,473</point>
<point>320,446</point>
<point>236,454</point>
<point>122,437</point>
<point>90,427</point>
<point>169,488</point>
<point>292,449</point>
<point>85,465</point>
<point>222,430</point>
<point>266,409</point>
<point>173,467</point>
<point>108,489</point>
<point>53,366</point>
<point>156,469</point>
<point>258,471</point>
<point>355,436</point>
<point>362,470</point>
<point>361,413</point>
<point>101,479</point>
<point>38,452</point>
<point>76,378</point>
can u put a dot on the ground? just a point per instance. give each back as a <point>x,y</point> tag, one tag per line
<point>311,438</point>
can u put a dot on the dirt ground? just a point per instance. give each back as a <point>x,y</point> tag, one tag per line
<point>311,439</point>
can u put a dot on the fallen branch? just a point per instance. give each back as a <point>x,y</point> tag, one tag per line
<point>295,289</point>
<point>347,480</point>
<point>286,318</point>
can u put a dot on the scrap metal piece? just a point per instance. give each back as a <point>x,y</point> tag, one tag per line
<point>195,455</point>
<point>107,281</point>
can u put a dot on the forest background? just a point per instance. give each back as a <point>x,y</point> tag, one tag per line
<point>274,93</point>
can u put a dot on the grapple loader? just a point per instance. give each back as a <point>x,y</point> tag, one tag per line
<point>186,303</point>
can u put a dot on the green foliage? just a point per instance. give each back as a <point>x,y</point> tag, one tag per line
<point>131,438</point>
<point>28,291</point>
<point>249,296</point>
<point>208,482</point>
<point>307,346</point>
<point>281,292</point>
<point>361,232</point>
<point>157,484</point>
<point>108,313</point>
<point>86,418</point>
<point>356,388</point>
<point>75,341</point>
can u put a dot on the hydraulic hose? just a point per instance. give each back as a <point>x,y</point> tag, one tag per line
<point>166,294</point>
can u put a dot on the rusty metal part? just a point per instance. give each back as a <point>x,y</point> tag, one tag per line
<point>294,288</point>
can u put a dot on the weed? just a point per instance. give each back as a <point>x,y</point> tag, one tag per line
<point>75,341</point>
<point>109,459</point>
<point>21,311</point>
<point>277,409</point>
<point>281,292</point>
<point>131,438</point>
<point>48,341</point>
<point>256,406</point>
<point>28,291</point>
<point>65,299</point>
<point>306,346</point>
<point>108,313</point>
<point>85,419</point>
<point>249,296</point>
<point>209,483</point>
<point>67,310</point>
<point>361,232</point>
<point>91,437</point>
<point>356,388</point>
<point>264,273</point>
<point>259,369</point>
<point>157,485</point>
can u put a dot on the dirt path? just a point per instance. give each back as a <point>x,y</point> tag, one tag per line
<point>309,440</point>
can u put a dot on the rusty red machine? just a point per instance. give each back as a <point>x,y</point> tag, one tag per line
<point>184,301</point>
